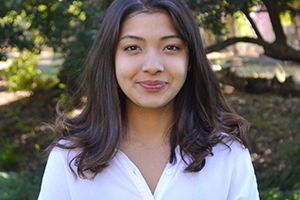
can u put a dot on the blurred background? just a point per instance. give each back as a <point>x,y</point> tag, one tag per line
<point>253,47</point>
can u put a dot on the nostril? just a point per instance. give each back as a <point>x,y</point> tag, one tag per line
<point>153,69</point>
<point>153,63</point>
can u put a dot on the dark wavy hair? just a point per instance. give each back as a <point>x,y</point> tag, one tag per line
<point>201,110</point>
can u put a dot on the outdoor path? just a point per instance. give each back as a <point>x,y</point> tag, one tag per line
<point>48,63</point>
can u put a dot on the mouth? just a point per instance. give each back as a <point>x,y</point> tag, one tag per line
<point>152,85</point>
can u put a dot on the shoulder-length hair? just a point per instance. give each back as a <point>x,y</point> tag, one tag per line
<point>201,111</point>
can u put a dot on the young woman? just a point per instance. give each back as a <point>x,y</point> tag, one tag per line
<point>155,124</point>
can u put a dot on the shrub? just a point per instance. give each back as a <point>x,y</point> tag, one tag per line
<point>283,181</point>
<point>23,74</point>
<point>23,186</point>
<point>10,155</point>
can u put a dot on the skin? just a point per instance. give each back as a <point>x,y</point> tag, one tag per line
<point>151,68</point>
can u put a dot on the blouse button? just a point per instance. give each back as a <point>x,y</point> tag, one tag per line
<point>169,172</point>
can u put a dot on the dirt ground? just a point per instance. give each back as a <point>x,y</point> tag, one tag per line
<point>274,120</point>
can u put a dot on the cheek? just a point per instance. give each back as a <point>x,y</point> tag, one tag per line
<point>178,68</point>
<point>125,69</point>
<point>120,67</point>
<point>182,77</point>
<point>118,71</point>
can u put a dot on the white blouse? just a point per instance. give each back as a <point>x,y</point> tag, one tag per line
<point>227,175</point>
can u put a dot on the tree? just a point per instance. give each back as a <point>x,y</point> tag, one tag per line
<point>210,13</point>
<point>70,26</point>
<point>67,26</point>
<point>14,28</point>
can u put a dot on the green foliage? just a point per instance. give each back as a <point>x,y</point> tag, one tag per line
<point>22,74</point>
<point>211,14</point>
<point>277,194</point>
<point>243,29</point>
<point>297,86</point>
<point>275,142</point>
<point>10,155</point>
<point>15,28</point>
<point>286,175</point>
<point>267,120</point>
<point>25,185</point>
<point>286,18</point>
<point>281,180</point>
<point>68,27</point>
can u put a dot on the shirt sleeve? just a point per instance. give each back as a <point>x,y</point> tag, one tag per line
<point>243,184</point>
<point>55,180</point>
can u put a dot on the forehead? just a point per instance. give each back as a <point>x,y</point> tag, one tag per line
<point>150,21</point>
<point>148,11</point>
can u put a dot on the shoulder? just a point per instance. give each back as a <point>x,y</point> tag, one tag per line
<point>58,175</point>
<point>230,145</point>
<point>229,157</point>
<point>231,163</point>
<point>235,164</point>
<point>230,150</point>
<point>62,155</point>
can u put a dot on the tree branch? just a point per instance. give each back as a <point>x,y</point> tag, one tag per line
<point>246,12</point>
<point>275,50</point>
<point>273,10</point>
<point>230,41</point>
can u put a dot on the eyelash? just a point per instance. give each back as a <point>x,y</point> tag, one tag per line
<point>131,48</point>
<point>172,48</point>
<point>168,48</point>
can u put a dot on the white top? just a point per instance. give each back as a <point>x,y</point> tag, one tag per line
<point>227,175</point>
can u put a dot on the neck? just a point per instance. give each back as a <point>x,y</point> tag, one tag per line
<point>148,127</point>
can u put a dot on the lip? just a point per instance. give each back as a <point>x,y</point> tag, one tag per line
<point>152,85</point>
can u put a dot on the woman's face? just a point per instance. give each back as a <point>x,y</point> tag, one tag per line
<point>151,60</point>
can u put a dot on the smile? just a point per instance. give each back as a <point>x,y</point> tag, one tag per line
<point>152,85</point>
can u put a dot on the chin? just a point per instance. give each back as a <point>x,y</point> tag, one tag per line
<point>155,105</point>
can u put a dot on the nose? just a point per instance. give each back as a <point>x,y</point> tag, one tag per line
<point>153,62</point>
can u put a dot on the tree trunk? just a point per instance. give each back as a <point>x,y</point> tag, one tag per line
<point>282,52</point>
<point>273,10</point>
<point>278,49</point>
<point>275,50</point>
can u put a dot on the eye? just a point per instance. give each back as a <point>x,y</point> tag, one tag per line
<point>172,48</point>
<point>132,48</point>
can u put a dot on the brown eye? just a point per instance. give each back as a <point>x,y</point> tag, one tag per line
<point>131,48</point>
<point>172,48</point>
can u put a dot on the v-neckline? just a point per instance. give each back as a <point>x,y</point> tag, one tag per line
<point>140,181</point>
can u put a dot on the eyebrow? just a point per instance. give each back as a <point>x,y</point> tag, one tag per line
<point>142,39</point>
<point>170,36</point>
<point>132,37</point>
